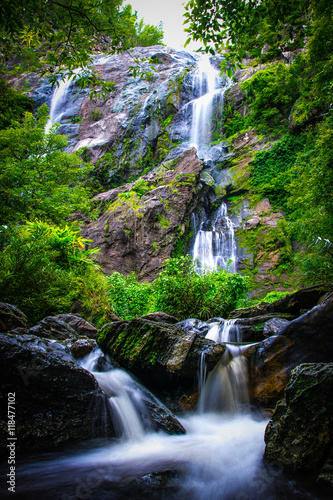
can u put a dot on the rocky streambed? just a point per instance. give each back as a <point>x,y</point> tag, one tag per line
<point>70,392</point>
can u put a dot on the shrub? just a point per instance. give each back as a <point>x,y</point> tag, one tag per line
<point>44,268</point>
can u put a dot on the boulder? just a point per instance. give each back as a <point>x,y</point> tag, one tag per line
<point>11,317</point>
<point>307,339</point>
<point>56,400</point>
<point>80,348</point>
<point>292,305</point>
<point>160,317</point>
<point>272,326</point>
<point>53,328</point>
<point>80,325</point>
<point>159,354</point>
<point>299,435</point>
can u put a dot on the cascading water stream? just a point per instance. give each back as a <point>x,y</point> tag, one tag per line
<point>214,245</point>
<point>126,400</point>
<point>58,101</point>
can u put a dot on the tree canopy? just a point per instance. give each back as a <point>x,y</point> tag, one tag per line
<point>234,26</point>
<point>57,36</point>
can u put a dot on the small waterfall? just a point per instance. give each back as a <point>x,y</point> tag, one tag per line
<point>214,245</point>
<point>206,83</point>
<point>58,102</point>
<point>226,387</point>
<point>129,414</point>
<point>228,331</point>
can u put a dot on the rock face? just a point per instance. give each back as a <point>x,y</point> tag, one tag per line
<point>142,221</point>
<point>307,339</point>
<point>299,435</point>
<point>11,318</point>
<point>57,401</point>
<point>293,304</point>
<point>160,355</point>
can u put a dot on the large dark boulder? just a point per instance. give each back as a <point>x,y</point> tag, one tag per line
<point>292,305</point>
<point>299,435</point>
<point>56,400</point>
<point>159,354</point>
<point>11,317</point>
<point>307,339</point>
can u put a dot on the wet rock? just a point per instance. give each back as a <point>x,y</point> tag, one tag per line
<point>307,339</point>
<point>11,317</point>
<point>299,435</point>
<point>57,401</point>
<point>163,419</point>
<point>53,328</point>
<point>291,304</point>
<point>160,317</point>
<point>160,355</point>
<point>272,326</point>
<point>80,325</point>
<point>194,325</point>
<point>81,347</point>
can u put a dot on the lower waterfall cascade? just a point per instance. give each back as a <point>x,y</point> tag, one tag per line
<point>219,457</point>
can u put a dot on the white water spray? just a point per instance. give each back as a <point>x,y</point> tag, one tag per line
<point>216,247</point>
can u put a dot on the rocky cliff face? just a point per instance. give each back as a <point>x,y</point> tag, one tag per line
<point>141,222</point>
<point>135,139</point>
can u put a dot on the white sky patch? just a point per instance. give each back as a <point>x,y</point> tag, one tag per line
<point>170,12</point>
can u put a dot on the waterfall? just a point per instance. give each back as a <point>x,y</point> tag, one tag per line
<point>226,387</point>
<point>58,102</point>
<point>214,245</point>
<point>128,409</point>
<point>227,331</point>
<point>206,82</point>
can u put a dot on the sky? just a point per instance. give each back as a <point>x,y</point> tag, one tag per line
<point>170,12</point>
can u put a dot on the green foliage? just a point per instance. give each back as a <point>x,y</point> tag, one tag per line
<point>178,291</point>
<point>239,26</point>
<point>55,37</point>
<point>128,297</point>
<point>271,169</point>
<point>37,179</point>
<point>13,105</point>
<point>311,201</point>
<point>183,293</point>
<point>45,268</point>
<point>271,94</point>
<point>274,295</point>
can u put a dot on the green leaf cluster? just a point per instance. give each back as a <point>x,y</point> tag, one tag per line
<point>45,268</point>
<point>37,178</point>
<point>179,291</point>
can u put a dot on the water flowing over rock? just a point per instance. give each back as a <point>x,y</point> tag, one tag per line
<point>58,400</point>
<point>307,339</point>
<point>160,355</point>
<point>299,435</point>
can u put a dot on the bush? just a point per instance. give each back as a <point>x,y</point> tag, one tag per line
<point>44,269</point>
<point>128,297</point>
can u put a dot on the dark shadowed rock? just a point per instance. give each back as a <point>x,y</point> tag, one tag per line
<point>293,304</point>
<point>57,401</point>
<point>160,317</point>
<point>80,325</point>
<point>272,326</point>
<point>53,328</point>
<point>299,435</point>
<point>307,339</point>
<point>195,325</point>
<point>163,419</point>
<point>11,317</point>
<point>159,354</point>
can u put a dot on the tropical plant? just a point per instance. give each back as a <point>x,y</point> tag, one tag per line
<point>37,178</point>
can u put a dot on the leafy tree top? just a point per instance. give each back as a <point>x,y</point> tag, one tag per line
<point>57,36</point>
